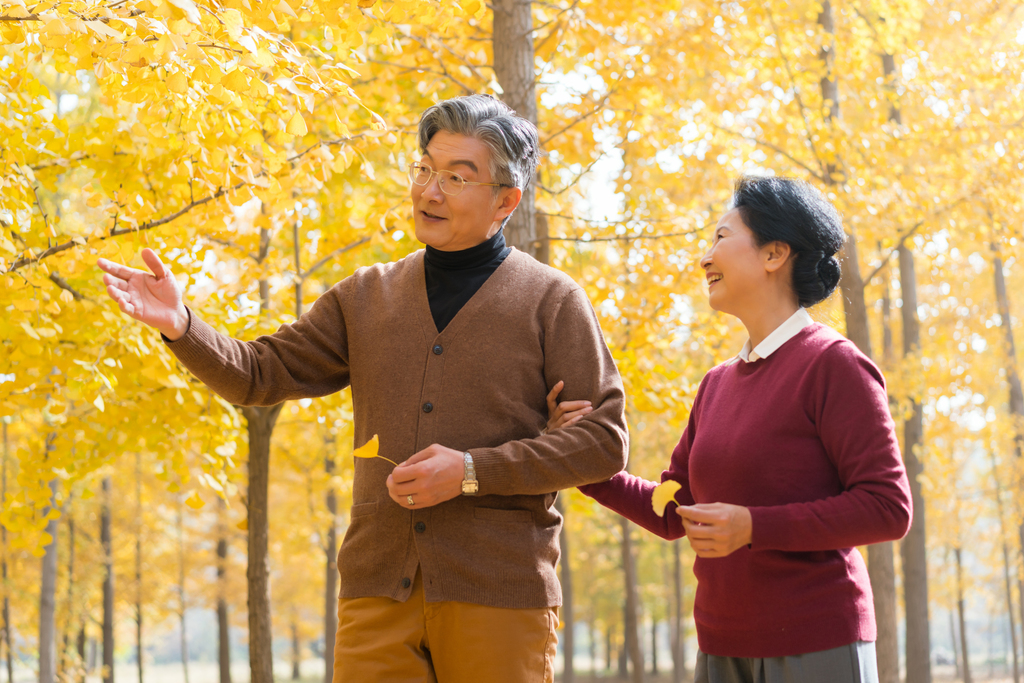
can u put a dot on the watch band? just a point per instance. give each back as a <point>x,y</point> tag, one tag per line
<point>470,485</point>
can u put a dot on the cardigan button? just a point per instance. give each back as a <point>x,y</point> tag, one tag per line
<point>427,407</point>
<point>438,350</point>
<point>406,582</point>
<point>420,527</point>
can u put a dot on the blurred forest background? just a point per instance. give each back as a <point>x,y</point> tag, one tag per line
<point>260,148</point>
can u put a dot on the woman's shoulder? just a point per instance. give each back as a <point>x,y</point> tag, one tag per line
<point>832,354</point>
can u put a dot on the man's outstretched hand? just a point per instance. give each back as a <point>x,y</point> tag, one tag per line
<point>152,299</point>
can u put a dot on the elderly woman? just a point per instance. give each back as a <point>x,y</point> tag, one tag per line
<point>788,462</point>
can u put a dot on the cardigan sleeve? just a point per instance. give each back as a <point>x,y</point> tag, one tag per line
<point>591,450</point>
<point>851,410</point>
<point>306,359</point>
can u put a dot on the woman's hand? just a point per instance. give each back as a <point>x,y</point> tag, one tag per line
<point>565,413</point>
<point>716,529</point>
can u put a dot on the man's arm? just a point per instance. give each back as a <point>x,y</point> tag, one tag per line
<point>590,450</point>
<point>306,359</point>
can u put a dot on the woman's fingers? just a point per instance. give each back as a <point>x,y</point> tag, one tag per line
<point>553,396</point>
<point>116,282</point>
<point>117,270</point>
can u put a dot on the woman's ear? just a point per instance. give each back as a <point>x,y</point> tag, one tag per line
<point>776,255</point>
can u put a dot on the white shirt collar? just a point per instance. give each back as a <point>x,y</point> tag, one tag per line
<point>782,334</point>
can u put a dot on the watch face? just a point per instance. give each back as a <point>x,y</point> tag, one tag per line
<point>469,487</point>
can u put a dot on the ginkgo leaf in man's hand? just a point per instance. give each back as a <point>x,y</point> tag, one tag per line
<point>664,493</point>
<point>369,450</point>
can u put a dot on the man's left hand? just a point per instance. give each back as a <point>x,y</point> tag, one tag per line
<point>431,476</point>
<point>716,529</point>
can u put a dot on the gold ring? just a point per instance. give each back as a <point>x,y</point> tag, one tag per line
<point>410,500</point>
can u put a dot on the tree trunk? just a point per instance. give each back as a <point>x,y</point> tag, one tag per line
<point>592,646</point>
<point>80,646</point>
<point>568,619</point>
<point>678,633</point>
<point>108,585</point>
<point>964,652</point>
<point>631,621</point>
<point>512,42</point>
<point>181,589</point>
<point>47,595</point>
<point>1007,564</point>
<point>296,650</point>
<point>331,585</point>
<point>608,648</point>
<point>953,639</point>
<point>7,638</point>
<point>913,548</point>
<point>64,666</point>
<point>139,650</point>
<point>260,424</point>
<point>1016,395</point>
<point>223,627</point>
<point>654,646</point>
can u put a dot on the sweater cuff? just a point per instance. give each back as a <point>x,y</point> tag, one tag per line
<point>768,528</point>
<point>195,344</point>
<point>490,465</point>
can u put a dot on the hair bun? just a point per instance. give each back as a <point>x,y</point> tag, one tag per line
<point>829,272</point>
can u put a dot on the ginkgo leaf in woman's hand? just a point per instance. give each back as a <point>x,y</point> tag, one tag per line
<point>369,450</point>
<point>664,493</point>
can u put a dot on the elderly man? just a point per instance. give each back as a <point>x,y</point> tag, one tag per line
<point>448,565</point>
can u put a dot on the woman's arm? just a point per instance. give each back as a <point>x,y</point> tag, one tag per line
<point>627,494</point>
<point>851,409</point>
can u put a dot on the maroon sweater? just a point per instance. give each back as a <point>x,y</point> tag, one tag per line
<point>804,439</point>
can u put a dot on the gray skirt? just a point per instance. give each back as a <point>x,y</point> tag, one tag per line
<point>854,663</point>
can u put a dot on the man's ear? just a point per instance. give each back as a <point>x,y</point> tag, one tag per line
<point>775,255</point>
<point>508,200</point>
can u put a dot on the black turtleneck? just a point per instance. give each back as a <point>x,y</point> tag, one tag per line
<point>453,277</point>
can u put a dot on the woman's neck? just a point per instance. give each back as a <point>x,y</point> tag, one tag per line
<point>761,321</point>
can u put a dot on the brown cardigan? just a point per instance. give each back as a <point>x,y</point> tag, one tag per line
<point>480,386</point>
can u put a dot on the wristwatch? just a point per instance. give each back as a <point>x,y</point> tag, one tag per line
<point>469,483</point>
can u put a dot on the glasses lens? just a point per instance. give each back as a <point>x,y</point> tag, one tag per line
<point>419,174</point>
<point>451,183</point>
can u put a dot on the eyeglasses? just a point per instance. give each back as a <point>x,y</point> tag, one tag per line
<point>451,183</point>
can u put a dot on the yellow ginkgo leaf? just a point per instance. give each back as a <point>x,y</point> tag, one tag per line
<point>664,493</point>
<point>194,501</point>
<point>177,83</point>
<point>243,525</point>
<point>370,450</point>
<point>297,126</point>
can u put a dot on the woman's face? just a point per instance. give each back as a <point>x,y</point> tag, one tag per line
<point>734,266</point>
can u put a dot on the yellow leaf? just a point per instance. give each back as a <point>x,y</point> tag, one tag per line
<point>236,81</point>
<point>243,525</point>
<point>664,493</point>
<point>99,404</point>
<point>66,296</point>
<point>368,449</point>
<point>177,83</point>
<point>194,501</point>
<point>87,494</point>
<point>297,126</point>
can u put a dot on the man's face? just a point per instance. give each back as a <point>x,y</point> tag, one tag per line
<point>473,216</point>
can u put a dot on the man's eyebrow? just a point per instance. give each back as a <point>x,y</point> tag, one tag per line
<point>464,162</point>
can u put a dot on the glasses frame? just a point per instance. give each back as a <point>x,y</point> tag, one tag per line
<point>415,165</point>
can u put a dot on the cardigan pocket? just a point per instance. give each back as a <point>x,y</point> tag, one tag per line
<point>507,516</point>
<point>362,509</point>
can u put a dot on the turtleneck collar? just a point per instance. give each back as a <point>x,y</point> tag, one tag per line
<point>474,257</point>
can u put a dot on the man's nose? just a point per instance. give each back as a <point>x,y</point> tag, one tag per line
<point>432,191</point>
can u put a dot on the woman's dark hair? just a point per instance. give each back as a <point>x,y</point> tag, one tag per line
<point>797,213</point>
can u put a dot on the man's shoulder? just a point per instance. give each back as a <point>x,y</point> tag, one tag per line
<point>381,275</point>
<point>540,277</point>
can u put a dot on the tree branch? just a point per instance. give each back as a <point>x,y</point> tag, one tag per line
<point>20,263</point>
<point>774,148</point>
<point>63,284</point>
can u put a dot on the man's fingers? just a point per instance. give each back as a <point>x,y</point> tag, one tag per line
<point>154,263</point>
<point>116,282</point>
<point>117,270</point>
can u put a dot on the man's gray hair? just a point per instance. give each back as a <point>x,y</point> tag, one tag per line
<point>512,140</point>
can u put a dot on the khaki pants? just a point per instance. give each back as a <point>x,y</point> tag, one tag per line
<point>380,639</point>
